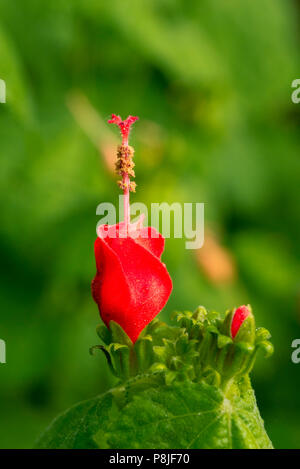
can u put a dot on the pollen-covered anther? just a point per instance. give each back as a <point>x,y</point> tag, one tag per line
<point>132,186</point>
<point>125,151</point>
<point>125,164</point>
<point>125,168</point>
<point>122,185</point>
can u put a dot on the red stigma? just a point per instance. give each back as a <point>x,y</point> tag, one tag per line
<point>124,126</point>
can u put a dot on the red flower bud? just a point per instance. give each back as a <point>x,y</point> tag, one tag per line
<point>240,314</point>
<point>132,285</point>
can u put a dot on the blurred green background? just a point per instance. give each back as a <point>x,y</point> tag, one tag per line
<point>211,83</point>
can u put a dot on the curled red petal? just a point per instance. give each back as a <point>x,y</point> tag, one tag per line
<point>131,285</point>
<point>151,240</point>
<point>148,237</point>
<point>109,288</point>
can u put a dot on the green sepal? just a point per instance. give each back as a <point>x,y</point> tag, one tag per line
<point>223,340</point>
<point>104,333</point>
<point>143,349</point>
<point>198,347</point>
<point>118,335</point>
<point>246,332</point>
<point>107,356</point>
<point>226,326</point>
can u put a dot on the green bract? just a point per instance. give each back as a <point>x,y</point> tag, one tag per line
<point>181,386</point>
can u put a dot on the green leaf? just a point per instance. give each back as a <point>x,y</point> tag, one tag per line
<point>185,387</point>
<point>182,415</point>
<point>188,415</point>
<point>74,428</point>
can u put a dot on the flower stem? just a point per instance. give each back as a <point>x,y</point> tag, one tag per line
<point>126,182</point>
<point>125,164</point>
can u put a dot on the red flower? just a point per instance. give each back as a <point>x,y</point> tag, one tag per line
<point>240,314</point>
<point>132,285</point>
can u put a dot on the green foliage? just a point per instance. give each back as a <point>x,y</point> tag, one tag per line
<point>184,415</point>
<point>195,392</point>
<point>200,345</point>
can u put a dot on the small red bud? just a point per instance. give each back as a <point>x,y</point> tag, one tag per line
<point>240,314</point>
<point>124,126</point>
